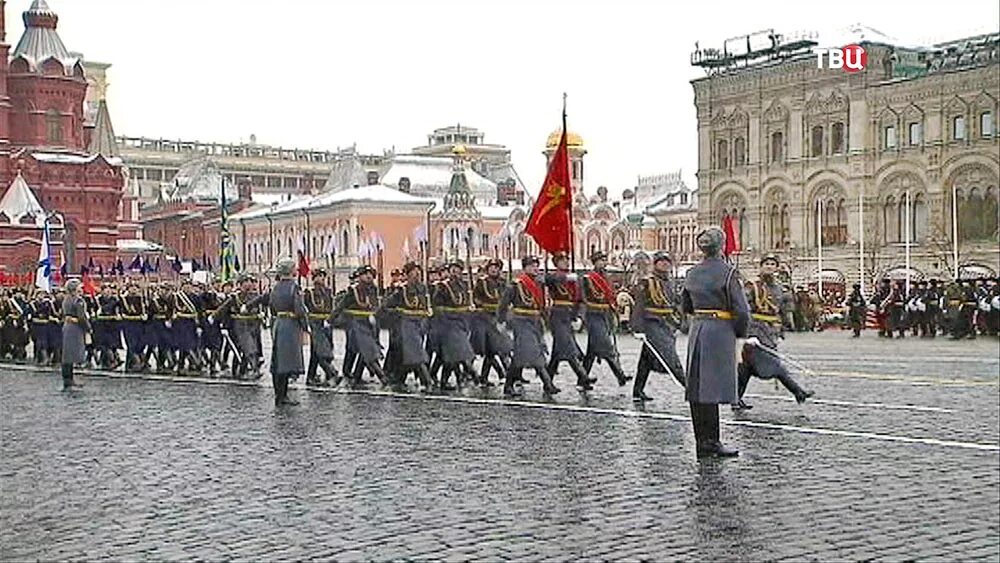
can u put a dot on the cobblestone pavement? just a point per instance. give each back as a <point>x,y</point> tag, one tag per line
<point>897,459</point>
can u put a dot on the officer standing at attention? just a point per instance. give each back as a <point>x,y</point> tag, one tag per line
<point>285,300</point>
<point>76,327</point>
<point>714,299</point>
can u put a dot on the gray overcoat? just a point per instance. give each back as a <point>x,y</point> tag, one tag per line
<point>711,360</point>
<point>75,325</point>
<point>290,321</point>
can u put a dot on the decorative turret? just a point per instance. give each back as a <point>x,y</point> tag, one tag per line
<point>459,203</point>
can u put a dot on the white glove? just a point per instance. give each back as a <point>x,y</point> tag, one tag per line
<point>167,324</point>
<point>225,332</point>
<point>639,336</point>
<point>326,324</point>
<point>501,325</point>
<point>372,321</point>
<point>198,332</point>
<point>211,320</point>
<point>243,309</point>
<point>752,341</point>
<point>577,324</point>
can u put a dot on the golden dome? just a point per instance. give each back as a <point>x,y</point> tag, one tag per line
<point>458,150</point>
<point>573,140</point>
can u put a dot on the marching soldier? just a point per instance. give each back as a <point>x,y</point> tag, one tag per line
<point>75,330</point>
<point>451,301</point>
<point>434,325</point>
<point>522,305</point>
<point>967,312</point>
<point>562,286</point>
<point>359,304</point>
<point>241,311</point>
<point>160,335</point>
<point>412,304</point>
<point>489,341</point>
<point>107,331</point>
<point>719,315</point>
<point>290,321</point>
<point>90,301</point>
<point>856,310</point>
<point>319,304</point>
<point>55,326</point>
<point>389,318</point>
<point>655,323</point>
<point>134,316</point>
<point>600,309</point>
<point>210,299</point>
<point>185,328</point>
<point>15,334</point>
<point>953,297</point>
<point>882,298</point>
<point>764,298</point>
<point>340,321</point>
<point>40,312</point>
<point>932,317</point>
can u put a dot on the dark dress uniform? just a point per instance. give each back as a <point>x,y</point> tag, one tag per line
<point>76,325</point>
<point>319,305</point>
<point>522,306</point>
<point>14,328</point>
<point>451,303</point>
<point>857,309</point>
<point>211,329</point>
<point>40,311</point>
<point>134,318</point>
<point>563,290</point>
<point>657,307</point>
<point>968,310</point>
<point>488,340</point>
<point>410,302</point>
<point>288,309</point>
<point>185,330</point>
<point>358,305</point>
<point>159,334</point>
<point>241,311</point>
<point>388,317</point>
<point>107,330</point>
<point>932,317</point>
<point>764,298</point>
<point>600,310</point>
<point>717,305</point>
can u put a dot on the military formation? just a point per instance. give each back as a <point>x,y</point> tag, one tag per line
<point>441,320</point>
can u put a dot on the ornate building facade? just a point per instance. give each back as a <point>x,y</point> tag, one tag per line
<point>48,147</point>
<point>814,161</point>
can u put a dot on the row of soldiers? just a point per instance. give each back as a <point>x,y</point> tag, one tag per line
<point>961,309</point>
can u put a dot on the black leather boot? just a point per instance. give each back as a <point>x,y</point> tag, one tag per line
<point>793,387</point>
<point>582,380</point>
<point>742,380</point>
<point>513,374</point>
<point>711,413</point>
<point>641,375</point>
<point>548,388</point>
<point>67,376</point>
<point>616,368</point>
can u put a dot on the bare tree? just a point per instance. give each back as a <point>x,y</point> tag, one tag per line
<point>874,243</point>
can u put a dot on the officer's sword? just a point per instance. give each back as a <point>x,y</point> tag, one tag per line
<point>656,354</point>
<point>784,358</point>
<point>232,345</point>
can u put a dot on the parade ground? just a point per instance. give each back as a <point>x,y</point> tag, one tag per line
<point>896,458</point>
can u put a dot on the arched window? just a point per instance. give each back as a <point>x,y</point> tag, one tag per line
<point>53,127</point>
<point>890,220</point>
<point>817,140</point>
<point>774,226</point>
<point>785,225</point>
<point>918,218</point>
<point>739,151</point>
<point>722,154</point>
<point>837,138</point>
<point>777,147</point>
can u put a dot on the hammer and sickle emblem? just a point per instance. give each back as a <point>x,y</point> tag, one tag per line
<point>557,195</point>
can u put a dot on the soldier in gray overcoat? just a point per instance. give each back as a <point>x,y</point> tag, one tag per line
<point>600,303</point>
<point>412,305</point>
<point>714,299</point>
<point>488,341</point>
<point>290,321</point>
<point>523,304</point>
<point>452,302</point>
<point>76,327</point>
<point>319,305</point>
<point>655,320</point>
<point>358,305</point>
<point>563,289</point>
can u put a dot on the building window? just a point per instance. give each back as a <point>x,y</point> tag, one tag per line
<point>684,199</point>
<point>485,245</point>
<point>817,141</point>
<point>777,147</point>
<point>986,125</point>
<point>958,128</point>
<point>916,134</point>
<point>837,138</point>
<point>53,127</point>
<point>722,155</point>
<point>739,151</point>
<point>890,137</point>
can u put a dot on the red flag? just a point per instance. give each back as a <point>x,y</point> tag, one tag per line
<point>732,239</point>
<point>303,267</point>
<point>550,223</point>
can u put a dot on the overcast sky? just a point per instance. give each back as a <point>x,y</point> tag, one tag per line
<point>323,74</point>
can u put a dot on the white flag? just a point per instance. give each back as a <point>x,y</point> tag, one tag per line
<point>43,275</point>
<point>406,247</point>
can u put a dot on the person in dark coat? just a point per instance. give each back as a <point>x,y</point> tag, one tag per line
<point>388,317</point>
<point>411,303</point>
<point>210,299</point>
<point>319,305</point>
<point>134,315</point>
<point>563,289</point>
<point>76,331</point>
<point>452,302</point>
<point>242,312</point>
<point>40,310</point>
<point>359,304</point>
<point>714,299</point>
<point>857,310</point>
<point>599,302</point>
<point>489,341</point>
<point>107,328</point>
<point>184,328</point>
<point>764,298</point>
<point>290,321</point>
<point>522,306</point>
<point>655,320</point>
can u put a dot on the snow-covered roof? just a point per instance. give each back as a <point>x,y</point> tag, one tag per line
<point>41,43</point>
<point>102,139</point>
<point>199,179</point>
<point>431,176</point>
<point>345,174</point>
<point>267,198</point>
<point>368,194</point>
<point>19,203</point>
<point>496,211</point>
<point>137,245</point>
<point>70,158</point>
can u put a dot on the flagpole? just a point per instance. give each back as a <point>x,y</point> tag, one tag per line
<point>819,247</point>
<point>572,233</point>
<point>908,236</point>
<point>954,226</point>
<point>861,238</point>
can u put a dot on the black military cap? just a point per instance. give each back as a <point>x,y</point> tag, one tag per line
<point>245,278</point>
<point>662,255</point>
<point>529,261</point>
<point>560,256</point>
<point>494,262</point>
<point>410,266</point>
<point>318,272</point>
<point>364,270</point>
<point>456,264</point>
<point>396,272</point>
<point>598,255</point>
<point>857,286</point>
<point>770,257</point>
